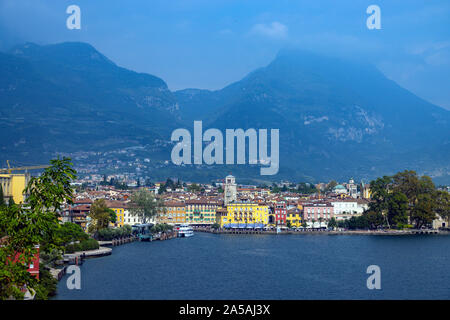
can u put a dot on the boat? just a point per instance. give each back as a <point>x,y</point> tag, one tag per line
<point>142,231</point>
<point>185,230</point>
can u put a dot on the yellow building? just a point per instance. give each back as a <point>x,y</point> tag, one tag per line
<point>294,218</point>
<point>201,211</point>
<point>243,215</point>
<point>119,208</point>
<point>365,191</point>
<point>173,213</point>
<point>13,186</point>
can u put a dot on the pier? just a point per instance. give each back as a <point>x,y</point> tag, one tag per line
<point>77,257</point>
<point>117,242</point>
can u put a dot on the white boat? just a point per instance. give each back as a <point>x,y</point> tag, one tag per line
<point>185,230</point>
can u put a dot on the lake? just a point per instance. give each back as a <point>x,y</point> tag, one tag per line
<point>219,266</point>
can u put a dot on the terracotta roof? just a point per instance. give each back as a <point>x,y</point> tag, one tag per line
<point>115,204</point>
<point>174,204</point>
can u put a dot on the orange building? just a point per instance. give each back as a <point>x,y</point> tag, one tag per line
<point>173,213</point>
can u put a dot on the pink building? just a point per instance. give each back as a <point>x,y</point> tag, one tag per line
<point>317,210</point>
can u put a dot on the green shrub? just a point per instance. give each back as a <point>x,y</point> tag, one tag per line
<point>89,244</point>
<point>73,247</point>
<point>85,245</point>
<point>46,286</point>
<point>110,234</point>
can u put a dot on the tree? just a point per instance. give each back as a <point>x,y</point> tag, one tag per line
<point>332,224</point>
<point>11,202</point>
<point>331,185</point>
<point>161,227</point>
<point>407,182</point>
<point>112,216</point>
<point>397,204</point>
<point>194,188</point>
<point>70,232</point>
<point>374,219</point>
<point>423,212</point>
<point>2,197</point>
<point>380,194</point>
<point>100,216</point>
<point>443,204</point>
<point>306,188</point>
<point>35,223</point>
<point>144,205</point>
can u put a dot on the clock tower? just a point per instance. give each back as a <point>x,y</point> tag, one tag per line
<point>230,190</point>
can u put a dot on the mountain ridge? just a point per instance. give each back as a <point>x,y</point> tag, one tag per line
<point>336,117</point>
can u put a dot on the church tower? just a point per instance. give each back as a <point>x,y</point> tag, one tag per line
<point>230,190</point>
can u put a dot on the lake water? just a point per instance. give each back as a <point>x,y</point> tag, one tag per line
<point>211,266</point>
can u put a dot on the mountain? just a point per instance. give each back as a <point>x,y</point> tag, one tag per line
<point>68,97</point>
<point>337,118</point>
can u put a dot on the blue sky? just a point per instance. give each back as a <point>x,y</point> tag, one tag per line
<point>211,43</point>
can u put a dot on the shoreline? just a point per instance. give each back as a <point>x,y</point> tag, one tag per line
<point>326,232</point>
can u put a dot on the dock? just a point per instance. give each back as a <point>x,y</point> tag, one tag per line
<point>77,257</point>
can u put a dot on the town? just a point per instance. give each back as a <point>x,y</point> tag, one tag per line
<point>219,205</point>
<point>88,215</point>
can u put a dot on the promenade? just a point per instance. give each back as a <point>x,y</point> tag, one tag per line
<point>101,251</point>
<point>325,232</point>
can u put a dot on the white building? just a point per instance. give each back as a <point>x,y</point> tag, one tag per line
<point>346,208</point>
<point>131,219</point>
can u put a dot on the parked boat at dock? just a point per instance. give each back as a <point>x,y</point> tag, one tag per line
<point>185,230</point>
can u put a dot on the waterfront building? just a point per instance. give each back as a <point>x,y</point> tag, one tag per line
<point>173,213</point>
<point>440,222</point>
<point>201,211</point>
<point>130,219</point>
<point>33,267</point>
<point>244,215</point>
<point>230,191</point>
<point>221,215</point>
<point>82,201</point>
<point>13,186</point>
<point>77,214</point>
<point>119,208</point>
<point>317,214</point>
<point>294,217</point>
<point>347,206</point>
<point>279,211</point>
